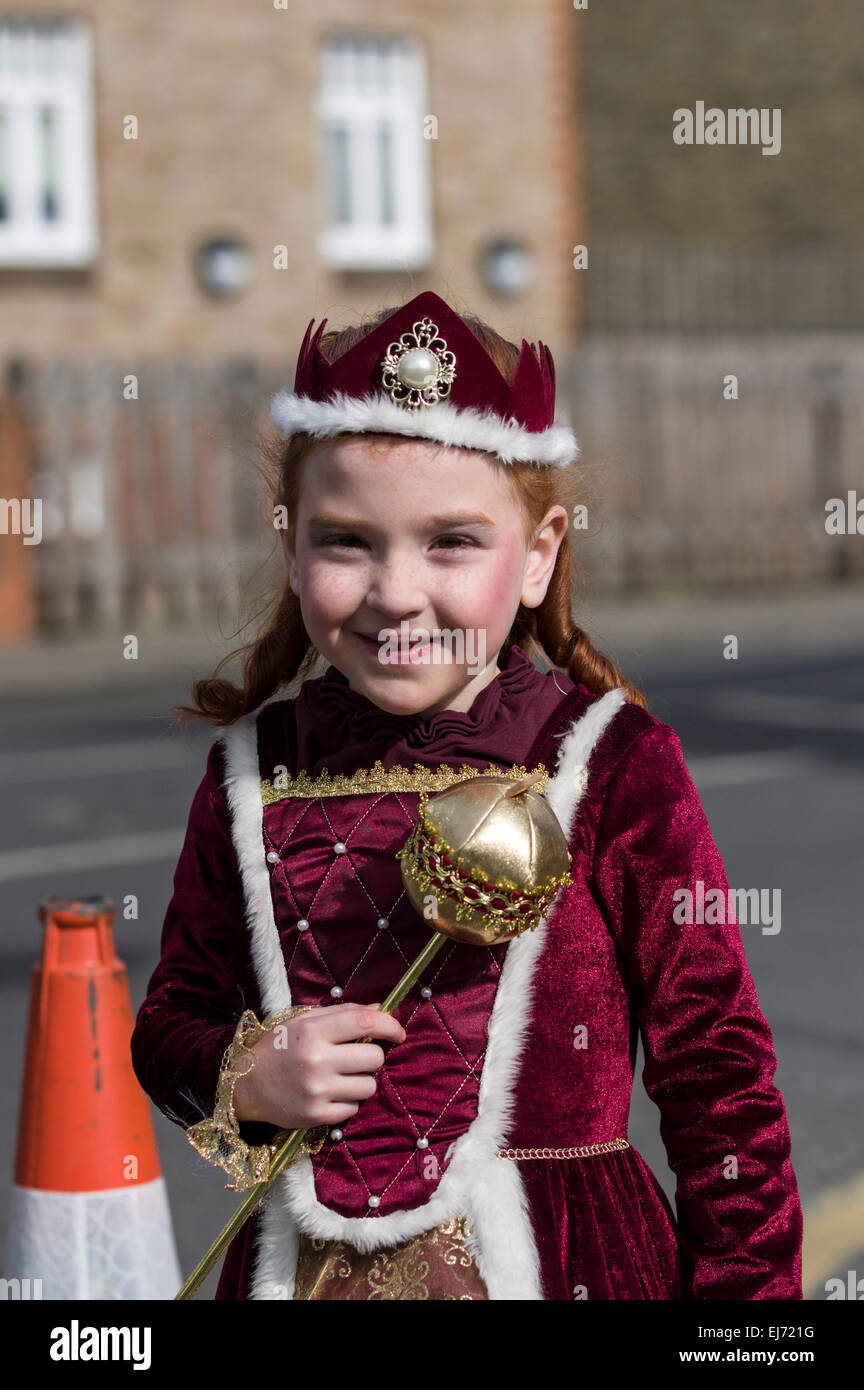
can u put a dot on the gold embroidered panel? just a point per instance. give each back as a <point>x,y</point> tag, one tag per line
<point>433,1266</point>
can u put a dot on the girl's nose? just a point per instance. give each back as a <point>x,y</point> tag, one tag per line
<point>395,591</point>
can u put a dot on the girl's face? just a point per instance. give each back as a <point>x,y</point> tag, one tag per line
<point>399,537</point>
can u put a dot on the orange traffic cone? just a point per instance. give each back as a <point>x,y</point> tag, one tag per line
<point>89,1214</point>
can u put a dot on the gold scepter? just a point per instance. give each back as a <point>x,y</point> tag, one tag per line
<point>482,864</point>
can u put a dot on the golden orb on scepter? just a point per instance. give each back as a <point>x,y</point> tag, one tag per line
<point>485,859</point>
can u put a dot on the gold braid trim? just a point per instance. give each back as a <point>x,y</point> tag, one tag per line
<point>580,1151</point>
<point>218,1139</point>
<point>381,779</point>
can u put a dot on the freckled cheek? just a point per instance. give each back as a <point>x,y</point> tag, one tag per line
<point>331,590</point>
<point>480,591</point>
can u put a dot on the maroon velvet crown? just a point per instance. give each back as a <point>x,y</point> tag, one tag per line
<point>529,399</point>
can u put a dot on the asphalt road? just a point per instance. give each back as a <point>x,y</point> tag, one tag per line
<point>776,749</point>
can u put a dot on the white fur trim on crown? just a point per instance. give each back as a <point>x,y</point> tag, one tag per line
<point>476,1183</point>
<point>446,423</point>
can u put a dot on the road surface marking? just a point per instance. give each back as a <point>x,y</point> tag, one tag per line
<point>833,1234</point>
<point>41,861</point>
<point>732,769</point>
<point>99,760</point>
<point>786,710</point>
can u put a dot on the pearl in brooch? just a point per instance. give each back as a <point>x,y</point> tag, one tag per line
<point>418,368</point>
<point>336,991</point>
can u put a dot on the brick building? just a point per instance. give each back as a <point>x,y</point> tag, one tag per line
<point>200,178</point>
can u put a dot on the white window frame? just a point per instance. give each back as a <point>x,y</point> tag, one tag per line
<point>47,62</point>
<point>369,84</point>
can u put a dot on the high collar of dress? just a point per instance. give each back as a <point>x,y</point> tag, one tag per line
<point>362,716</point>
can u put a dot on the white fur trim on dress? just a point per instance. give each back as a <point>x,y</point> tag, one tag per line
<point>485,1189</point>
<point>468,428</point>
<point>243,794</point>
<point>577,745</point>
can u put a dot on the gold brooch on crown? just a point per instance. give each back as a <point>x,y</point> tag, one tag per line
<point>418,369</point>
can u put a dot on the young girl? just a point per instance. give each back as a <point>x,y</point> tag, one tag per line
<point>476,1148</point>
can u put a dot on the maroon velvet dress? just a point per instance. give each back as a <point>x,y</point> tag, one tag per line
<point>312,900</point>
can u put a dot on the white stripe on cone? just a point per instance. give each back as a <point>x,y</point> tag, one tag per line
<point>117,1244</point>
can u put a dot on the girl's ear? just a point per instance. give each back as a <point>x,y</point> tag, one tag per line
<point>542,556</point>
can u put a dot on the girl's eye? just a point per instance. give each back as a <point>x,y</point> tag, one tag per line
<point>348,541</point>
<point>463,542</point>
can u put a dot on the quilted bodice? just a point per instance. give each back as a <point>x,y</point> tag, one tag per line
<point>348,933</point>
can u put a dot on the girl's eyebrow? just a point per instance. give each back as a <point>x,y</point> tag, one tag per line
<point>434,523</point>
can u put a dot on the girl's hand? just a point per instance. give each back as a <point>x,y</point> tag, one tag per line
<point>317,1075</point>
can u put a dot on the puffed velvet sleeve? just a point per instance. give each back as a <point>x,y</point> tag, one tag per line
<point>204,980</point>
<point>709,1056</point>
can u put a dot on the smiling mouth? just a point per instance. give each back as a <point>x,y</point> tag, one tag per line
<point>406,657</point>
<point>412,639</point>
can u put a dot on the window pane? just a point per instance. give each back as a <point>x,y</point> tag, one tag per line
<point>385,175</point>
<point>338,173</point>
<point>48,189</point>
<point>4,170</point>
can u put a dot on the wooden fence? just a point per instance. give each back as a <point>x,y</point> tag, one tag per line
<point>643,285</point>
<point>154,511</point>
<point>696,490</point>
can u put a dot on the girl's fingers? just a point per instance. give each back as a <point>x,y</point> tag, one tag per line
<point>344,1022</point>
<point>353,1057</point>
<point>351,1090</point>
